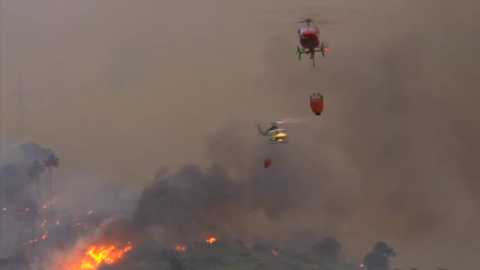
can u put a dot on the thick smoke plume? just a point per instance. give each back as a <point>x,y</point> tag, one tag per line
<point>393,157</point>
<point>399,88</point>
<point>379,258</point>
<point>20,199</point>
<point>192,204</point>
<point>255,206</point>
<point>328,250</point>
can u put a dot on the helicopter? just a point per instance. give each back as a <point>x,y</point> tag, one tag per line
<point>309,36</point>
<point>274,133</point>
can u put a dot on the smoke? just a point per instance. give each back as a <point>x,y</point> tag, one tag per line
<point>256,206</point>
<point>398,88</point>
<point>379,257</point>
<point>33,229</point>
<point>20,171</point>
<point>327,250</point>
<point>190,204</point>
<point>19,203</point>
<point>393,150</point>
<point>195,203</point>
<point>392,158</point>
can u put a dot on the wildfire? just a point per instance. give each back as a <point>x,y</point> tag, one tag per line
<point>274,252</point>
<point>181,248</point>
<point>97,255</point>
<point>211,240</point>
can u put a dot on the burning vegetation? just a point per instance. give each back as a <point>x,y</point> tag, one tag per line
<point>211,240</point>
<point>188,220</point>
<point>96,256</point>
<point>181,248</point>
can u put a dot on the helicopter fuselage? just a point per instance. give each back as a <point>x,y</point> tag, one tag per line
<point>278,136</point>
<point>274,134</point>
<point>309,37</point>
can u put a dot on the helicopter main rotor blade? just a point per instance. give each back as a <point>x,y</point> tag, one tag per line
<point>293,120</point>
<point>288,121</point>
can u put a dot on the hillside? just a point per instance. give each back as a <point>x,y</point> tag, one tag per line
<point>218,257</point>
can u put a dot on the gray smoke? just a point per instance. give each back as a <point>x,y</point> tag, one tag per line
<point>190,203</point>
<point>23,167</point>
<point>327,250</point>
<point>393,157</point>
<point>379,257</point>
<point>19,203</point>
<point>399,86</point>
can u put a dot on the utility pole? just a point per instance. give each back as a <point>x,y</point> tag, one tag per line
<point>20,111</point>
<point>2,192</point>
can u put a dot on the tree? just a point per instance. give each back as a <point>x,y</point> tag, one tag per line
<point>35,170</point>
<point>378,258</point>
<point>29,210</point>
<point>327,250</point>
<point>50,162</point>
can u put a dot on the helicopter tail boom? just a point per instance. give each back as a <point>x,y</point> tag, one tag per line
<point>260,131</point>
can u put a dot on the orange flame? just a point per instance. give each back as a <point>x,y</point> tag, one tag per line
<point>44,236</point>
<point>211,240</point>
<point>274,252</point>
<point>50,203</point>
<point>181,248</point>
<point>96,255</point>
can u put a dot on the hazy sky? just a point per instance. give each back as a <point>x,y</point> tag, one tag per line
<point>120,88</point>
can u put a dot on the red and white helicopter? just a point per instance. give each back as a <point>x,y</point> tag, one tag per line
<point>310,41</point>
